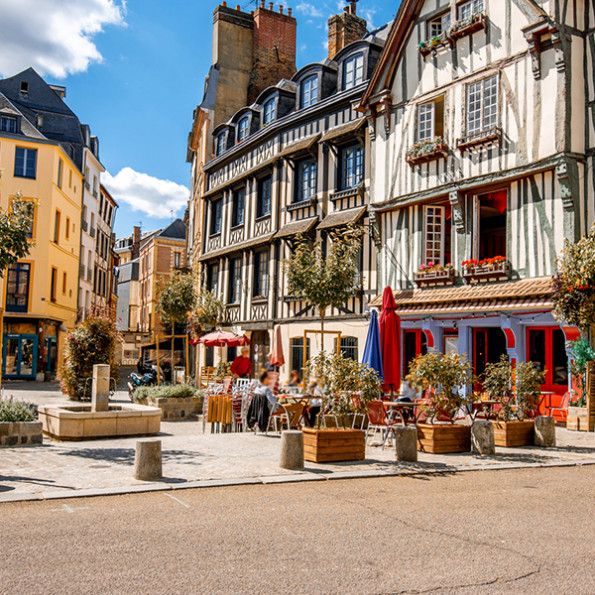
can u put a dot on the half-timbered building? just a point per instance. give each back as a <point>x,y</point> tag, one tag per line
<point>481,116</point>
<point>294,162</point>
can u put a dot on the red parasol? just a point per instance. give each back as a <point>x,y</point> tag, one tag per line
<point>390,341</point>
<point>277,357</point>
<point>222,339</point>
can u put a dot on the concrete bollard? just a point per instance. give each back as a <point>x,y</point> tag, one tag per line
<point>292,450</point>
<point>147,460</point>
<point>100,388</point>
<point>482,438</point>
<point>406,443</point>
<point>545,431</point>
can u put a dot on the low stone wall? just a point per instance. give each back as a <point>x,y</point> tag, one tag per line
<point>176,409</point>
<point>19,433</point>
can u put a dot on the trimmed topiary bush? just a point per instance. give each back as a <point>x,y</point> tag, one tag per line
<point>167,391</point>
<point>92,342</point>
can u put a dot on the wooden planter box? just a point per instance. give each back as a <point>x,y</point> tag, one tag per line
<point>467,28</point>
<point>19,433</point>
<point>579,420</point>
<point>440,151</point>
<point>443,438</point>
<point>498,272</point>
<point>430,278</point>
<point>175,409</point>
<point>513,433</point>
<point>333,445</point>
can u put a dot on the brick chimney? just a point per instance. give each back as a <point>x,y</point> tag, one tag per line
<point>344,29</point>
<point>135,249</point>
<point>274,48</point>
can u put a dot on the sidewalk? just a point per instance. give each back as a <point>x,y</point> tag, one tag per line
<point>193,459</point>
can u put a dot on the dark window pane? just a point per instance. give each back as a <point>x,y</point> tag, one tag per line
<point>560,358</point>
<point>537,348</point>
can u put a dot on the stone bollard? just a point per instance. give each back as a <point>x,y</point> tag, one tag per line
<point>100,388</point>
<point>406,443</point>
<point>482,438</point>
<point>147,460</point>
<point>545,431</point>
<point>292,450</point>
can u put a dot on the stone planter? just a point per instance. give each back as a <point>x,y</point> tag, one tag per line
<point>578,419</point>
<point>513,433</point>
<point>20,433</point>
<point>443,438</point>
<point>173,409</point>
<point>332,445</point>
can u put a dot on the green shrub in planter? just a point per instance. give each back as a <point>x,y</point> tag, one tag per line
<point>166,391</point>
<point>15,411</point>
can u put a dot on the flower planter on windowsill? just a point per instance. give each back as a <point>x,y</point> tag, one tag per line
<point>431,45</point>
<point>431,278</point>
<point>482,137</point>
<point>427,151</point>
<point>468,26</point>
<point>487,272</point>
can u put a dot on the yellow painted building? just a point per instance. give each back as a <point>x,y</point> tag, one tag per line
<point>39,294</point>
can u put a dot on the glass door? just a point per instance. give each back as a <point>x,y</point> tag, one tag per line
<point>20,356</point>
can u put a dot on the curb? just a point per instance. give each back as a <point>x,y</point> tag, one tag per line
<point>301,477</point>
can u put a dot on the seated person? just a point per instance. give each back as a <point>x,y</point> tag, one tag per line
<point>316,389</point>
<point>264,389</point>
<point>294,378</point>
<point>242,366</point>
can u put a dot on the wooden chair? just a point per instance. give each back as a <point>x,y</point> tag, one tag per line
<point>207,375</point>
<point>562,410</point>
<point>379,421</point>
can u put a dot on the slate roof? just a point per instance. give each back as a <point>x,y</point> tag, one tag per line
<point>174,231</point>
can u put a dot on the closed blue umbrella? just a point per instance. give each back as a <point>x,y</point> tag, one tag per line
<point>372,351</point>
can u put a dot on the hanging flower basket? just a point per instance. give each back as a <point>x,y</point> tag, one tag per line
<point>489,269</point>
<point>431,275</point>
<point>468,26</point>
<point>427,150</point>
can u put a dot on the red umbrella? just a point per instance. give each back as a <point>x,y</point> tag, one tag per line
<point>390,341</point>
<point>222,339</point>
<point>277,357</point>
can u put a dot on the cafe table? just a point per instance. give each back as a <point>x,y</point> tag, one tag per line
<point>399,408</point>
<point>485,407</point>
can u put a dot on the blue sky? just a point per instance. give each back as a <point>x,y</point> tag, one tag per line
<point>134,72</point>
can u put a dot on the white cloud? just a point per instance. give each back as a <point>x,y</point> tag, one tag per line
<point>155,197</point>
<point>54,36</point>
<point>309,10</point>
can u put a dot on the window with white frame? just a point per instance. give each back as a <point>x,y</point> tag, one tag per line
<point>434,235</point>
<point>430,119</point>
<point>353,71</point>
<point>439,25</point>
<point>243,129</point>
<point>270,111</point>
<point>8,124</point>
<point>306,180</point>
<point>235,280</point>
<point>220,143</point>
<point>467,9</point>
<point>348,347</point>
<point>482,105</point>
<point>260,288</point>
<point>352,166</point>
<point>309,91</point>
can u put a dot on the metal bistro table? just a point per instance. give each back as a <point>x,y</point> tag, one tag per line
<point>291,403</point>
<point>401,408</point>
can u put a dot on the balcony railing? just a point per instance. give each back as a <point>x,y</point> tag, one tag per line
<point>481,137</point>
<point>427,150</point>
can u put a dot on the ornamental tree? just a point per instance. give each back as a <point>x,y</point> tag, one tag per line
<point>574,285</point>
<point>15,224</point>
<point>208,313</point>
<point>176,299</point>
<point>328,278</point>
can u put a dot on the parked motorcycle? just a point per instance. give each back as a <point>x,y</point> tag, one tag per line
<point>149,377</point>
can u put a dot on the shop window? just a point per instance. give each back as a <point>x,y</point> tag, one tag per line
<point>352,166</point>
<point>414,344</point>
<point>491,224</point>
<point>261,275</point>
<point>546,347</point>
<point>297,353</point>
<point>482,106</point>
<point>430,119</point>
<point>17,287</point>
<point>348,347</point>
<point>309,91</point>
<point>306,180</point>
<point>353,71</point>
<point>25,163</point>
<point>263,207</point>
<point>437,235</point>
<point>239,207</point>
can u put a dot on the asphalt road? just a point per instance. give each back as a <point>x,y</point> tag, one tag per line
<point>526,531</point>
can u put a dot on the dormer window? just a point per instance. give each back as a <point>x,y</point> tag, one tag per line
<point>24,87</point>
<point>8,124</point>
<point>439,25</point>
<point>243,128</point>
<point>270,111</point>
<point>220,144</point>
<point>309,91</point>
<point>472,7</point>
<point>353,71</point>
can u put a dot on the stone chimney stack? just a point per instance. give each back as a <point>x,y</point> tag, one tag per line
<point>344,29</point>
<point>135,250</point>
<point>274,48</point>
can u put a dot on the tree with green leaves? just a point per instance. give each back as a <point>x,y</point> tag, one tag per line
<point>176,300</point>
<point>325,278</point>
<point>208,313</point>
<point>15,224</point>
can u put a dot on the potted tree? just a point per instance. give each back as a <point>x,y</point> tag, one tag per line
<point>580,417</point>
<point>347,386</point>
<point>446,381</point>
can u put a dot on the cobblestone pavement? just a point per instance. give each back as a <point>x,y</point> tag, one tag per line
<point>189,456</point>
